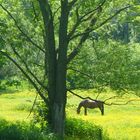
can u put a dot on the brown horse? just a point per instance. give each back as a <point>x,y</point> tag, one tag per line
<point>91,104</point>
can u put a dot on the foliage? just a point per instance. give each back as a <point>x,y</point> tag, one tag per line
<point>42,47</point>
<point>29,21</point>
<point>110,64</point>
<point>19,131</point>
<point>82,130</point>
<point>40,114</point>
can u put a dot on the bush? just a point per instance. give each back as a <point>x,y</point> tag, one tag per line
<point>84,130</point>
<point>40,115</point>
<point>19,131</point>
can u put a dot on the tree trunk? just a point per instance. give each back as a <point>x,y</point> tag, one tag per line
<point>58,102</point>
<point>56,65</point>
<point>59,119</point>
<point>60,96</point>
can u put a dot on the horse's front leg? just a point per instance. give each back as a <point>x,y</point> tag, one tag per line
<point>85,111</point>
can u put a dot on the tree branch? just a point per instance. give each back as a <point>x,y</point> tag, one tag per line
<point>32,106</point>
<point>101,24</point>
<point>84,35</point>
<point>35,103</point>
<point>111,17</point>
<point>71,4</point>
<point>98,95</point>
<point>19,28</point>
<point>80,96</point>
<point>83,19</point>
<point>49,37</point>
<point>122,103</point>
<point>55,12</point>
<point>79,46</point>
<point>25,74</point>
<point>28,69</point>
<point>111,98</point>
<point>85,74</point>
<point>35,13</point>
<point>109,104</point>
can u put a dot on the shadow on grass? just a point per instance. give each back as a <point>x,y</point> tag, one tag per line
<point>8,91</point>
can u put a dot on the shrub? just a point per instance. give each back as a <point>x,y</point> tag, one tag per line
<point>40,114</point>
<point>81,129</point>
<point>19,131</point>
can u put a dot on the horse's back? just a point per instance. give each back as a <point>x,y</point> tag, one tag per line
<point>89,103</point>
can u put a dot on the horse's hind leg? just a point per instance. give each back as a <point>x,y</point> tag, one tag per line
<point>102,109</point>
<point>85,111</point>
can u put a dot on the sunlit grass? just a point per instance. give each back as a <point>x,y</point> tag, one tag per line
<point>16,106</point>
<point>119,122</point>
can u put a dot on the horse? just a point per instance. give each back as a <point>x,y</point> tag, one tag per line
<point>91,104</point>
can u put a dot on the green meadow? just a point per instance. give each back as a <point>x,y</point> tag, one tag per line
<point>120,122</point>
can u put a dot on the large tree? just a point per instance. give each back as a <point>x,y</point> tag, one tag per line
<point>42,47</point>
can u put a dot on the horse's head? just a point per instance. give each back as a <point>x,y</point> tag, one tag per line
<point>78,111</point>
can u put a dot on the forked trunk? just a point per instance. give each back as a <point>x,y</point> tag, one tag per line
<point>56,64</point>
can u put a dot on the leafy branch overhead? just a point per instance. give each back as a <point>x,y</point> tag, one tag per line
<point>20,29</point>
<point>105,101</point>
<point>85,34</point>
<point>73,34</point>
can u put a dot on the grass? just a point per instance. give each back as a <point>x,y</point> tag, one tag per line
<point>119,122</point>
<point>16,106</point>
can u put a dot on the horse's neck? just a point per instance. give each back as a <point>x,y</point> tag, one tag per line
<point>79,106</point>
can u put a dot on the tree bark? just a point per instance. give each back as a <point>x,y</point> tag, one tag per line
<point>56,65</point>
<point>60,96</point>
